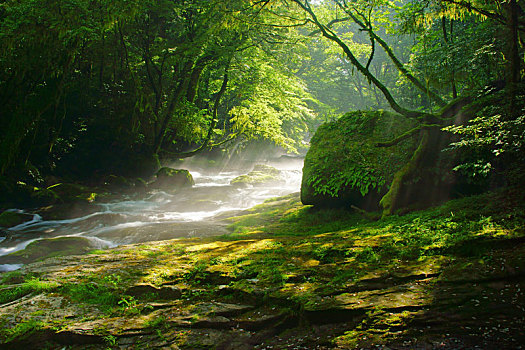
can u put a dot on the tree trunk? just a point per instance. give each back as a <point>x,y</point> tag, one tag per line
<point>213,121</point>
<point>175,99</point>
<point>449,41</point>
<point>390,199</point>
<point>194,80</point>
<point>514,67</point>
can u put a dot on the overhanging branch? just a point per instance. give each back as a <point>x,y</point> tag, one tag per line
<point>406,135</point>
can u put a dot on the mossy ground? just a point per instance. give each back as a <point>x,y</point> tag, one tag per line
<point>290,276</point>
<point>46,248</point>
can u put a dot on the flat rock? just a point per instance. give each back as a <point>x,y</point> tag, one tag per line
<point>164,292</point>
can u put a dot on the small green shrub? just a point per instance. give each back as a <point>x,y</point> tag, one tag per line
<point>197,274</point>
<point>91,293</point>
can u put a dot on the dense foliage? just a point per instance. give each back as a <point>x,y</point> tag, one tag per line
<point>99,87</point>
<point>460,74</point>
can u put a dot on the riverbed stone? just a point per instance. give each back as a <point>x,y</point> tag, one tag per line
<point>279,296</point>
<point>10,218</point>
<point>63,211</point>
<point>72,192</point>
<point>45,248</point>
<point>172,179</point>
<point>260,175</point>
<point>148,290</point>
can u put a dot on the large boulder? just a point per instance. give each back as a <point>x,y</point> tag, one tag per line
<point>344,166</point>
<point>172,179</point>
<point>13,217</point>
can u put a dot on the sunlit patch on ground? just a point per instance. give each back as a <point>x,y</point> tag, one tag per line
<point>311,278</point>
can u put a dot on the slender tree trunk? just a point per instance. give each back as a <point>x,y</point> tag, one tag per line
<point>449,41</point>
<point>194,79</point>
<point>175,99</point>
<point>514,67</point>
<point>214,115</point>
<point>102,63</point>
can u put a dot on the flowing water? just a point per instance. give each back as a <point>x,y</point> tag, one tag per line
<point>158,215</point>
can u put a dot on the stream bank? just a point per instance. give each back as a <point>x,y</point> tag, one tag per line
<point>289,277</point>
<point>159,212</point>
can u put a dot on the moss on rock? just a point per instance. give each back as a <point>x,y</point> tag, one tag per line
<point>46,248</point>
<point>260,174</point>
<point>345,167</point>
<point>295,278</point>
<point>10,218</point>
<point>172,179</point>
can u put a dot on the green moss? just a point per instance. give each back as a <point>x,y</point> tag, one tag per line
<point>13,218</point>
<point>343,162</point>
<point>388,202</point>
<point>21,331</point>
<point>332,261</point>
<point>69,192</point>
<point>267,169</point>
<point>46,248</point>
<point>260,174</point>
<point>158,322</point>
<point>173,178</point>
<point>105,297</point>
<point>31,285</point>
<point>96,251</point>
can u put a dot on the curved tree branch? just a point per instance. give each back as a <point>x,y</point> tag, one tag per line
<point>399,65</point>
<point>213,122</point>
<point>329,34</point>
<point>372,53</point>
<point>406,135</point>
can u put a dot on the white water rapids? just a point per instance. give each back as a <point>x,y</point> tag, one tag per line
<point>158,215</point>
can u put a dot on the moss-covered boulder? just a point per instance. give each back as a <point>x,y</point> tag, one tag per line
<point>261,174</point>
<point>10,218</point>
<point>46,248</point>
<point>26,195</point>
<point>172,179</point>
<point>71,192</point>
<point>345,167</point>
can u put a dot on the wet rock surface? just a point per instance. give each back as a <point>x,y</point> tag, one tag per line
<point>10,218</point>
<point>488,306</point>
<point>261,174</point>
<point>269,290</point>
<point>118,212</point>
<point>172,179</point>
<point>45,248</point>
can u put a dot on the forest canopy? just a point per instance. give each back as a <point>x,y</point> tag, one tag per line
<point>101,86</point>
<point>150,155</point>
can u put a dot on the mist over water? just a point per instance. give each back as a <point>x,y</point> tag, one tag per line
<point>160,215</point>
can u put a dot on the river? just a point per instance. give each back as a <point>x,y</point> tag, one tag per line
<point>159,215</point>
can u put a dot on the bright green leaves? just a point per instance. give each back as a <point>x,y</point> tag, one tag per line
<point>491,140</point>
<point>271,102</point>
<point>190,123</point>
<point>353,176</point>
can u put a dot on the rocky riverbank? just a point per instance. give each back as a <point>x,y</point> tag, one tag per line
<point>289,277</point>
